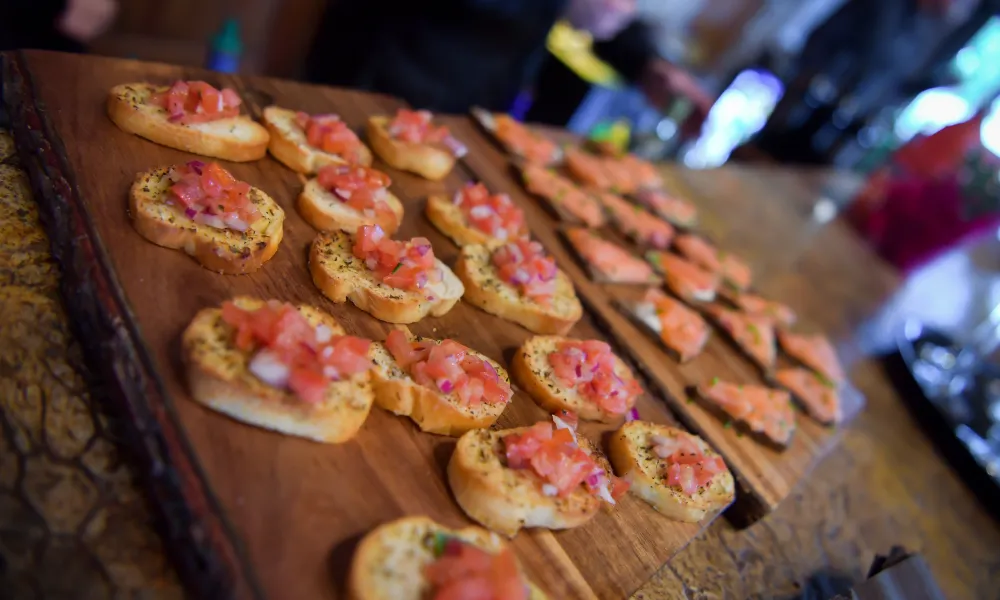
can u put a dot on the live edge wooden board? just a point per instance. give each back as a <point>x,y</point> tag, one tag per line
<point>249,513</point>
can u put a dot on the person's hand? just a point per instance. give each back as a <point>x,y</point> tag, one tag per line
<point>603,19</point>
<point>663,82</point>
<point>84,20</point>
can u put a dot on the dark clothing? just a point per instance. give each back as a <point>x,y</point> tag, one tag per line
<point>32,24</point>
<point>447,55</point>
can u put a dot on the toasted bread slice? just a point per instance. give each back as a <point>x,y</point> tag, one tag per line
<point>449,220</point>
<point>483,288</point>
<point>238,139</point>
<point>534,374</point>
<point>390,561</point>
<point>219,378</point>
<point>289,145</point>
<point>431,410</point>
<point>223,250</point>
<point>764,412</point>
<point>680,329</point>
<point>631,453</point>
<point>427,160</point>
<point>341,276</point>
<point>326,212</point>
<point>504,499</point>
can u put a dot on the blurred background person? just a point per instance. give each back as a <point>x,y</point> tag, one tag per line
<point>64,25</point>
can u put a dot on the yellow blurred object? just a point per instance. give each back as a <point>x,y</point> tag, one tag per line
<point>612,138</point>
<point>575,49</point>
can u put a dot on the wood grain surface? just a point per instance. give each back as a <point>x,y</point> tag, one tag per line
<point>288,512</point>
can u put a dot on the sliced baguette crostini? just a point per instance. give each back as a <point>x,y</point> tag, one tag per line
<point>345,197</point>
<point>161,216</point>
<point>341,275</point>
<point>235,361</point>
<point>553,310</point>
<point>583,377</point>
<point>474,216</point>
<point>506,498</point>
<point>677,473</point>
<point>410,142</point>
<point>413,378</point>
<point>176,116</point>
<point>415,558</point>
<point>298,140</point>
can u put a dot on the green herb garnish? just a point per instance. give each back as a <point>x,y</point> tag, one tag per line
<point>728,425</point>
<point>397,267</point>
<point>715,381</point>
<point>824,381</point>
<point>437,543</point>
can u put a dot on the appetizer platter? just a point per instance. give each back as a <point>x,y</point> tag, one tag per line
<point>341,410</point>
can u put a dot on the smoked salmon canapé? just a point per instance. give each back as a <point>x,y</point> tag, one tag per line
<point>415,558</point>
<point>520,282</point>
<point>598,172</point>
<point>814,351</point>
<point>411,141</point>
<point>687,280</point>
<point>444,386</point>
<point>344,197</point>
<point>818,395</point>
<point>546,475</point>
<point>754,336</point>
<point>758,306</point>
<point>398,281</point>
<point>227,225</point>
<point>636,223</point>
<point>676,472</point>
<point>765,412</point>
<point>475,216</point>
<point>679,212</point>
<point>306,143</point>
<point>606,261</point>
<point>732,270</point>
<point>642,173</point>
<point>562,196</point>
<point>192,116</point>
<point>583,377</point>
<point>518,139</point>
<point>679,328</point>
<point>290,369</point>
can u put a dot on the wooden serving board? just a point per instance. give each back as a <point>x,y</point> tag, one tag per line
<point>246,512</point>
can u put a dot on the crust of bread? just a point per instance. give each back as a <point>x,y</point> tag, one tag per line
<point>484,289</point>
<point>289,146</point>
<point>218,378</point>
<point>630,451</point>
<point>238,139</point>
<point>405,547</point>
<point>431,410</point>
<point>222,250</point>
<point>505,500</point>
<point>533,373</point>
<point>428,161</point>
<point>326,212</point>
<point>341,276</point>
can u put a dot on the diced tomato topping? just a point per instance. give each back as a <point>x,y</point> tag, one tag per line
<point>524,264</point>
<point>495,215</point>
<point>405,265</point>
<point>361,188</point>
<point>449,367</point>
<point>688,467</point>
<point>589,367</point>
<point>211,195</point>
<point>466,572</point>
<point>619,487</point>
<point>330,134</point>
<point>290,353</point>
<point>415,126</point>
<point>525,142</point>
<point>197,102</point>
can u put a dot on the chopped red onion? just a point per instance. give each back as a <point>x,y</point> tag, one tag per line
<point>331,373</point>
<point>457,148</point>
<point>632,415</point>
<point>236,223</point>
<point>604,494</point>
<point>210,220</point>
<point>481,212</point>
<point>371,262</point>
<point>445,386</point>
<point>423,249</point>
<point>323,334</point>
<point>267,367</point>
<point>549,490</point>
<point>190,213</point>
<point>342,193</point>
<point>196,166</point>
<point>458,198</point>
<point>560,424</point>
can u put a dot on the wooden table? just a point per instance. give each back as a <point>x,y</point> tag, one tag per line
<point>72,524</point>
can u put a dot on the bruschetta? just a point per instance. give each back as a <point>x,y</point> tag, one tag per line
<point>813,351</point>
<point>519,282</point>
<point>597,172</point>
<point>681,330</point>
<point>415,558</point>
<point>540,476</point>
<point>563,198</point>
<point>754,336</point>
<point>758,306</point>
<point>411,142</point>
<point>731,269</point>
<point>445,387</point>
<point>226,225</point>
<point>687,280</point>
<point>818,395</point>
<point>191,116</point>
<point>634,222</point>
<point>677,473</point>
<point>280,367</point>
<point>306,143</point>
<point>606,261</point>
<point>517,138</point>
<point>474,216</point>
<point>344,197</point>
<point>674,210</point>
<point>582,377</point>
<point>395,281</point>
<point>765,412</point>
